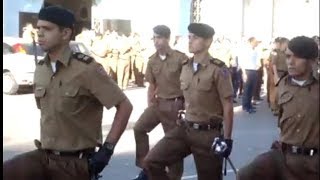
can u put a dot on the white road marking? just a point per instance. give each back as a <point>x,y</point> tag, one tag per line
<point>195,176</point>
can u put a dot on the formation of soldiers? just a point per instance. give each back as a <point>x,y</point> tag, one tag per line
<point>123,57</point>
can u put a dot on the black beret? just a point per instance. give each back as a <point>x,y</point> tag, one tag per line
<point>201,30</point>
<point>303,47</point>
<point>57,15</point>
<point>162,30</point>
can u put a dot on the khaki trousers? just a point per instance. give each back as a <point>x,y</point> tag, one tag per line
<point>274,165</point>
<point>166,113</point>
<point>179,143</point>
<point>40,165</point>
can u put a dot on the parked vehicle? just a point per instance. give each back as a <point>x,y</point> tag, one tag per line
<point>19,62</point>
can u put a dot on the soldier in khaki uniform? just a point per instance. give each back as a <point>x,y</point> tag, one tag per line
<point>270,79</point>
<point>165,98</point>
<point>207,89</point>
<point>296,156</point>
<point>71,90</point>
<point>279,69</point>
<point>113,56</point>
<point>123,68</point>
<point>137,61</point>
<point>316,66</point>
<point>100,51</point>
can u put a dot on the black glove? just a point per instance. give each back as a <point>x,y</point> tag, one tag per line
<point>276,145</point>
<point>222,146</point>
<point>100,159</point>
<point>227,152</point>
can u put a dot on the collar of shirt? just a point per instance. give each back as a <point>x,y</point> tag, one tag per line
<point>64,57</point>
<point>307,82</point>
<point>203,62</point>
<point>168,54</point>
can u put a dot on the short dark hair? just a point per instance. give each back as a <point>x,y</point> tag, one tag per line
<point>162,30</point>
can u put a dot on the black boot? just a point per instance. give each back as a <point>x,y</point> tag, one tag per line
<point>142,176</point>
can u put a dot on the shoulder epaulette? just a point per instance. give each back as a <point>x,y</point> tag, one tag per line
<point>185,61</point>
<point>82,57</point>
<point>152,56</point>
<point>40,62</point>
<point>217,62</point>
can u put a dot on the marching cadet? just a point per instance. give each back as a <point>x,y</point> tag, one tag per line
<point>123,68</point>
<point>207,89</point>
<point>271,88</point>
<point>165,98</point>
<point>279,67</point>
<point>71,90</point>
<point>296,155</point>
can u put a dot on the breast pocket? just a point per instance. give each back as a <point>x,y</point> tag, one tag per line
<point>287,106</point>
<point>68,98</point>
<point>204,84</point>
<point>156,69</point>
<point>173,68</point>
<point>39,94</point>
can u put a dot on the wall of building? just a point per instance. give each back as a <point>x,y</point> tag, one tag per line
<point>145,14</point>
<point>264,19</point>
<point>296,17</point>
<point>223,15</point>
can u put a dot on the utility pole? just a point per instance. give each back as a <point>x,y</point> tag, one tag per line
<point>273,19</point>
<point>195,11</point>
<point>243,17</point>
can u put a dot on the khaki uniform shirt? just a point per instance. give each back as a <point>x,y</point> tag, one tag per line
<point>299,120</point>
<point>205,89</point>
<point>165,73</point>
<point>278,58</point>
<point>71,101</point>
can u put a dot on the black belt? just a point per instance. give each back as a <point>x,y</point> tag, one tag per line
<point>173,99</point>
<point>80,153</point>
<point>299,150</point>
<point>202,126</point>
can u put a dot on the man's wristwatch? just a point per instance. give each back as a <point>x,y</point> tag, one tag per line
<point>109,146</point>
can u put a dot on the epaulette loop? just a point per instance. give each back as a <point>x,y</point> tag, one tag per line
<point>82,57</point>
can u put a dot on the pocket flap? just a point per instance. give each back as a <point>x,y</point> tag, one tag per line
<point>155,69</point>
<point>285,97</point>
<point>184,85</point>
<point>39,92</point>
<point>70,91</point>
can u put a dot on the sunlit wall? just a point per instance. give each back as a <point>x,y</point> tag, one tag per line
<point>145,14</point>
<point>264,19</point>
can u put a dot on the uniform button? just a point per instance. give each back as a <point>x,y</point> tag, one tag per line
<point>67,93</point>
<point>299,116</point>
<point>298,130</point>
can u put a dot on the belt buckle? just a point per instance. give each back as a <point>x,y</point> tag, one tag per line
<point>294,149</point>
<point>311,152</point>
<point>196,126</point>
<point>80,155</point>
<point>56,153</point>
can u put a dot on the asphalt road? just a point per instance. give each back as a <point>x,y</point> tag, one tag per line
<point>252,134</point>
